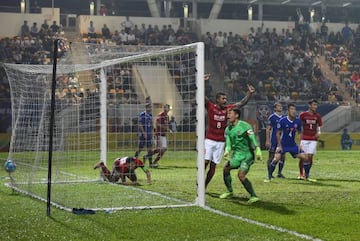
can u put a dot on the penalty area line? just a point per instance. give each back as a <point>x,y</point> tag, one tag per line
<point>265,225</point>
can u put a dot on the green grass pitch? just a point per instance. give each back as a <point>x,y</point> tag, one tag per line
<point>289,208</point>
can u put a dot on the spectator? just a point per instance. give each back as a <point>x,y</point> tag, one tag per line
<point>105,31</point>
<point>45,26</point>
<point>173,124</point>
<point>131,39</point>
<point>346,141</point>
<point>127,24</point>
<point>91,30</point>
<point>116,37</point>
<point>25,31</point>
<point>34,30</point>
<point>54,27</point>
<point>103,10</point>
<point>123,37</point>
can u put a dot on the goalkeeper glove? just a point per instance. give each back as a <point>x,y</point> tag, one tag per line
<point>227,155</point>
<point>258,153</point>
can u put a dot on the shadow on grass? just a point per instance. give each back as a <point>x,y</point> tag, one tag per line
<point>266,205</point>
<point>338,180</point>
<point>80,230</point>
<point>318,183</point>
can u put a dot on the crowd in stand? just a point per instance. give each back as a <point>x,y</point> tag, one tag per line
<point>131,34</point>
<point>343,56</point>
<point>282,65</point>
<point>32,46</point>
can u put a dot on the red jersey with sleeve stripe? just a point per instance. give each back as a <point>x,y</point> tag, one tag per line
<point>162,124</point>
<point>311,122</point>
<point>121,167</point>
<point>217,121</point>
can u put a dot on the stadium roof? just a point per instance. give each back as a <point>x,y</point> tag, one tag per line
<point>309,3</point>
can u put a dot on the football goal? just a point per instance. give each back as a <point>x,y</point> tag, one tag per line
<point>99,95</point>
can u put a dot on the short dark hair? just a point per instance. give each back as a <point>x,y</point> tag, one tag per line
<point>291,105</point>
<point>277,103</point>
<point>129,159</point>
<point>237,111</point>
<point>313,101</point>
<point>218,94</point>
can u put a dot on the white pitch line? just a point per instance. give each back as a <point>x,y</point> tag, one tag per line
<point>265,225</point>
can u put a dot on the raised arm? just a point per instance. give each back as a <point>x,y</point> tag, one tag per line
<point>206,79</point>
<point>246,99</point>
<point>206,100</point>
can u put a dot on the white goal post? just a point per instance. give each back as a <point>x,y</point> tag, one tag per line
<point>98,100</point>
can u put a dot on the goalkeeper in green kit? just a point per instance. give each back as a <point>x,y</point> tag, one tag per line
<point>239,153</point>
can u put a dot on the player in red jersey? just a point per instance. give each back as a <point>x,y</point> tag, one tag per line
<point>162,128</point>
<point>123,167</point>
<point>312,122</point>
<point>217,122</point>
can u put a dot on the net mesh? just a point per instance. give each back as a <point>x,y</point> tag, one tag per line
<point>99,96</point>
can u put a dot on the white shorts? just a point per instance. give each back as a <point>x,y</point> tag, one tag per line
<point>161,142</point>
<point>214,150</point>
<point>309,147</point>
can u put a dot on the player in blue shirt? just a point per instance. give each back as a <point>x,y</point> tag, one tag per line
<point>145,133</point>
<point>287,128</point>
<point>271,142</point>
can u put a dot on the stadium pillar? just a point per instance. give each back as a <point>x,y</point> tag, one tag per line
<point>260,11</point>
<point>215,10</point>
<point>98,5</point>
<point>167,8</point>
<point>154,8</point>
<point>194,9</point>
<point>27,6</point>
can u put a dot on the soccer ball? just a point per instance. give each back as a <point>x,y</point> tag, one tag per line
<point>10,166</point>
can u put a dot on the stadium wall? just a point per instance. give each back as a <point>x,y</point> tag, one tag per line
<point>12,22</point>
<point>114,23</point>
<point>201,25</point>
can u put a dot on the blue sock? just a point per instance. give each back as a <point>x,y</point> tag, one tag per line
<point>281,166</point>
<point>271,169</point>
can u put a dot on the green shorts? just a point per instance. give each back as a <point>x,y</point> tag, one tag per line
<point>243,161</point>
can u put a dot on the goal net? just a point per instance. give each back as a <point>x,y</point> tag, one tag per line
<point>98,98</point>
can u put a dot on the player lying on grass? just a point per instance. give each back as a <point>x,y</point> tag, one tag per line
<point>123,167</point>
<point>240,144</point>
